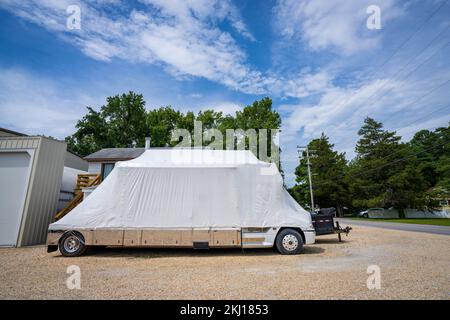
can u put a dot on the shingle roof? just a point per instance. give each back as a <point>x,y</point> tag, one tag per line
<point>115,154</point>
<point>12,132</point>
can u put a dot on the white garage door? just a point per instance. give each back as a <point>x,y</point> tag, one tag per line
<point>13,183</point>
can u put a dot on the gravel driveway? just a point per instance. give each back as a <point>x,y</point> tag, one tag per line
<point>413,265</point>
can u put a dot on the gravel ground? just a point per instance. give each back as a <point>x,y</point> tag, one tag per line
<point>413,266</point>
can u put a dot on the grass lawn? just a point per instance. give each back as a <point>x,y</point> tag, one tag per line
<point>436,222</point>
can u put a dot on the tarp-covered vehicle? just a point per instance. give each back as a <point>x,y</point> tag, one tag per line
<point>187,198</point>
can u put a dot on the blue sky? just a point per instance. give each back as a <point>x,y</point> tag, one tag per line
<point>318,61</point>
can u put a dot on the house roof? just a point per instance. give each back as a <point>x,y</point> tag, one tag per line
<point>115,154</point>
<point>13,133</point>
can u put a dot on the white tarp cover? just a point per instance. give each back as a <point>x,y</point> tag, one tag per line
<point>189,188</point>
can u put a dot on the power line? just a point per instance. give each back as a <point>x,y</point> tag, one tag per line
<point>390,155</point>
<point>396,50</point>
<point>443,108</point>
<point>400,160</point>
<point>342,175</point>
<point>426,94</point>
<point>413,70</point>
<point>419,98</point>
<point>415,32</point>
<point>427,115</point>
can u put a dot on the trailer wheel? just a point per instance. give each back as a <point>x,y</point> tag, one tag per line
<point>72,244</point>
<point>289,241</point>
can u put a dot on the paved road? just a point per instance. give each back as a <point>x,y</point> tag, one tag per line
<point>396,226</point>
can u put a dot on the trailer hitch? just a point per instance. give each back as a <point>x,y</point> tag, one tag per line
<point>338,229</point>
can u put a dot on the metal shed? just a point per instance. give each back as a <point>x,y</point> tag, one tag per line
<point>31,171</point>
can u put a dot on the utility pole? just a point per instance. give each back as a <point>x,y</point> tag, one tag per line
<point>309,176</point>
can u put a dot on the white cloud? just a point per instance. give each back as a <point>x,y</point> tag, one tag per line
<point>332,24</point>
<point>401,105</point>
<point>182,35</point>
<point>35,105</point>
<point>438,120</point>
<point>227,107</point>
<point>216,104</point>
<point>340,111</point>
<point>307,84</point>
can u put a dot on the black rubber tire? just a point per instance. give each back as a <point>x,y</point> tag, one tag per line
<point>78,252</point>
<point>279,241</point>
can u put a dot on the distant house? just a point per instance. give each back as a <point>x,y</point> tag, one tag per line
<point>102,162</point>
<point>37,174</point>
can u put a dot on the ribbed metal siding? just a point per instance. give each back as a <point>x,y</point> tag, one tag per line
<point>45,182</point>
<point>43,191</point>
<point>19,142</point>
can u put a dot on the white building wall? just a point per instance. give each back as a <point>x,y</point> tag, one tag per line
<point>15,170</point>
<point>42,187</point>
<point>95,167</point>
<point>68,184</point>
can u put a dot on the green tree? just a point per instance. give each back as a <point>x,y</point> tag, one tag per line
<point>433,152</point>
<point>210,119</point>
<point>260,115</point>
<point>160,123</point>
<point>118,123</point>
<point>327,168</point>
<point>124,120</point>
<point>385,171</point>
<point>126,117</point>
<point>91,134</point>
<point>443,172</point>
<point>187,122</point>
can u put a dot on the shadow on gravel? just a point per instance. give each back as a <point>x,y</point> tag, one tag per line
<point>331,240</point>
<point>115,252</point>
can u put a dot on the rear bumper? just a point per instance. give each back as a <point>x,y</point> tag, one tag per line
<point>310,236</point>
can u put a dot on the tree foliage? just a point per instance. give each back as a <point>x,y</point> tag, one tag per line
<point>327,168</point>
<point>124,121</point>
<point>385,172</point>
<point>119,122</point>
